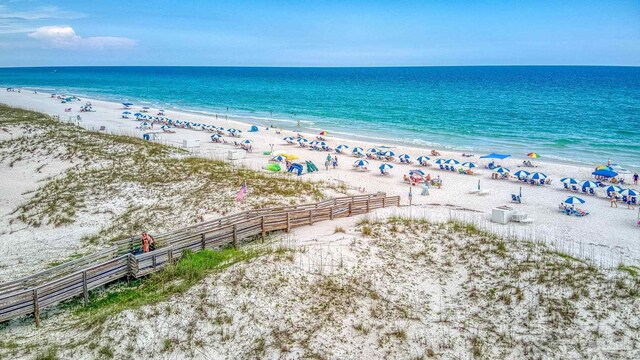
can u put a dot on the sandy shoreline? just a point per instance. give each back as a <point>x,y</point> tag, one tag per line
<point>611,230</point>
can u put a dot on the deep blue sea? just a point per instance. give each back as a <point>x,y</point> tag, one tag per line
<point>578,114</point>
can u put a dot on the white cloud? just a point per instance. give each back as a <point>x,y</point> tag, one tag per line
<point>66,38</point>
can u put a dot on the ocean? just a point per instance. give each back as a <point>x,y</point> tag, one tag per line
<point>576,114</point>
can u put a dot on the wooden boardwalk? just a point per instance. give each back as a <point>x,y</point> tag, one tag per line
<point>31,294</point>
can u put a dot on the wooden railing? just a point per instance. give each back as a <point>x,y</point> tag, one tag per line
<point>30,294</point>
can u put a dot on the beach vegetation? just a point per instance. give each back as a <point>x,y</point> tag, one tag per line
<point>128,185</point>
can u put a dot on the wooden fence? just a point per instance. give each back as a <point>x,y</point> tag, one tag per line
<point>30,294</point>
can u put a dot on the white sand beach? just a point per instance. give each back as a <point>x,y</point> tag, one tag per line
<point>610,234</point>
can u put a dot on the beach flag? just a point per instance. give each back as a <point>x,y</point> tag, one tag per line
<point>243,191</point>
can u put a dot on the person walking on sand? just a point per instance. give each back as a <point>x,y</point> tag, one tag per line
<point>425,189</point>
<point>614,199</point>
<point>635,178</point>
<point>335,161</point>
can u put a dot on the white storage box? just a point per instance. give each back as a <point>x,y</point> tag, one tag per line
<point>501,214</point>
<point>191,143</point>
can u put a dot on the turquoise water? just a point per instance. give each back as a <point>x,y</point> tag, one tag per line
<point>578,114</point>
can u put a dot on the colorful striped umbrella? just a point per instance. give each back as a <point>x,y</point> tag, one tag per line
<point>533,155</point>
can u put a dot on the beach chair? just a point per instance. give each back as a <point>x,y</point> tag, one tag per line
<point>566,187</point>
<point>592,192</point>
<point>584,190</point>
<point>515,199</point>
<point>441,167</point>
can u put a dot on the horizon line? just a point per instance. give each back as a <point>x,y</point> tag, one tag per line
<point>323,67</point>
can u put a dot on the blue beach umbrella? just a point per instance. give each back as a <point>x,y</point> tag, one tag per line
<point>568,180</point>
<point>126,113</point>
<point>165,127</point>
<point>361,163</point>
<point>441,161</point>
<point>452,162</point>
<point>357,150</point>
<point>321,143</point>
<point>520,174</point>
<point>314,142</point>
<point>416,172</point>
<point>405,157</point>
<point>342,147</point>
<point>501,170</point>
<point>138,114</point>
<point>537,176</point>
<point>288,138</point>
<point>247,142</point>
<point>589,184</point>
<point>302,140</point>
<point>215,136</point>
<point>127,104</point>
<point>373,150</point>
<point>385,166</point>
<point>573,200</point>
<point>629,192</point>
<point>612,188</point>
<point>422,159</point>
<point>388,153</point>
<point>469,165</point>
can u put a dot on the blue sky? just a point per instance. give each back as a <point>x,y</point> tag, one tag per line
<point>326,33</point>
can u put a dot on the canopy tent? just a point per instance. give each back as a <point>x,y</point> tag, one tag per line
<point>605,173</point>
<point>495,156</point>
<point>253,128</point>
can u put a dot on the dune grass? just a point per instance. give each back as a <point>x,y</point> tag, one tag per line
<point>128,184</point>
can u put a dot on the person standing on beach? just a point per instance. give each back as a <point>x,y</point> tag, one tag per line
<point>635,178</point>
<point>614,199</point>
<point>425,189</point>
<point>335,162</point>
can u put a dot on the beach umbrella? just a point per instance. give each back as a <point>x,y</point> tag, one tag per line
<point>604,167</point>
<point>469,165</point>
<point>568,180</point>
<point>385,166</point>
<point>629,192</point>
<point>321,143</point>
<point>126,113</point>
<point>165,127</point>
<point>573,200</point>
<point>323,133</point>
<point>247,141</point>
<point>440,161</point>
<point>589,184</point>
<point>342,147</point>
<point>533,155</point>
<point>127,104</point>
<point>144,107</point>
<point>216,136</point>
<point>612,188</point>
<point>314,142</point>
<point>521,174</point>
<point>145,124</point>
<point>389,153</point>
<point>422,159</point>
<point>537,176</point>
<point>231,130</point>
<point>452,162</point>
<point>373,150</point>
<point>416,172</point>
<point>138,114</point>
<point>279,158</point>
<point>501,170</point>
<point>302,140</point>
<point>405,157</point>
<point>357,150</point>
<point>361,163</point>
<point>289,139</point>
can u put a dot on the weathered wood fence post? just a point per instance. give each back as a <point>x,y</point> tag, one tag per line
<point>36,307</point>
<point>235,236</point>
<point>85,289</point>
